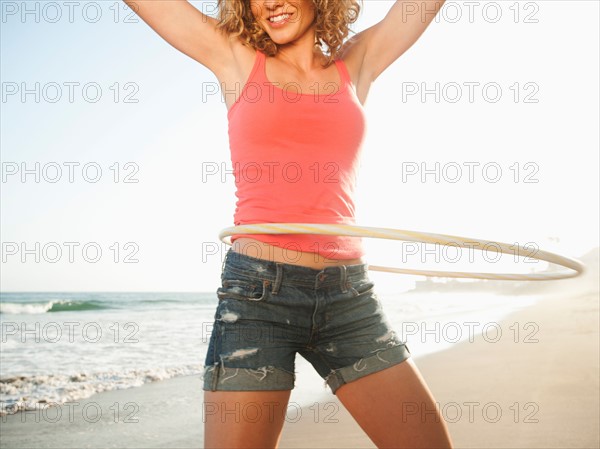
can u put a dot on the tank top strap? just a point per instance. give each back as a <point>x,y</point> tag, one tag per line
<point>341,65</point>
<point>258,71</point>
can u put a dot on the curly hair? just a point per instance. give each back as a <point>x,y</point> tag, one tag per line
<point>333,20</point>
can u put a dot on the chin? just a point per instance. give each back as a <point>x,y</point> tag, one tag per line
<point>281,40</point>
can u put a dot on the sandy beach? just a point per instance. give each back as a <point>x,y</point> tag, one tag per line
<point>535,386</point>
<point>541,391</point>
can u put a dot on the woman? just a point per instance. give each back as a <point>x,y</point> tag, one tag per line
<point>296,125</point>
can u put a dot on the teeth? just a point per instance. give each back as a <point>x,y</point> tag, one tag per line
<point>279,18</point>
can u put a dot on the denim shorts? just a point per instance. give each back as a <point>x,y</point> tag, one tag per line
<point>267,311</point>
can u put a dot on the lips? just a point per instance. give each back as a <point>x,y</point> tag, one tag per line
<point>280,22</point>
<point>284,16</point>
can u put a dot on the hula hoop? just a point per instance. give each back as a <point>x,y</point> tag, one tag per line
<point>577,268</point>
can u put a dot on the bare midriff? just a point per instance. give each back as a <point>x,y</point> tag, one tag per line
<point>260,250</point>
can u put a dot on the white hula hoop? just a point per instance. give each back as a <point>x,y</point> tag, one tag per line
<point>576,266</point>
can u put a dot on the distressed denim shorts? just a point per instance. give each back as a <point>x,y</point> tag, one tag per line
<point>267,311</point>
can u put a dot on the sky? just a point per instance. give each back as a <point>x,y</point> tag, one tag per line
<point>487,127</point>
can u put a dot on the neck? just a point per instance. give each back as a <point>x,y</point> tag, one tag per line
<point>302,53</point>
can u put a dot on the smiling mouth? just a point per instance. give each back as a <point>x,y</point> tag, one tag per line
<point>280,19</point>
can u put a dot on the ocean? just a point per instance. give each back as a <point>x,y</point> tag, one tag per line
<point>59,347</point>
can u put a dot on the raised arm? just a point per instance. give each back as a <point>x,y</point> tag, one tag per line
<point>381,44</point>
<point>187,29</point>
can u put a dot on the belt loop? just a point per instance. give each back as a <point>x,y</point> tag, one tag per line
<point>343,278</point>
<point>278,278</point>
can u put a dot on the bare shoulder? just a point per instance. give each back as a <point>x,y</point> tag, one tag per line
<point>353,54</point>
<point>233,74</point>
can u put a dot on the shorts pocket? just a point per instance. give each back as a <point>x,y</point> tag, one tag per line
<point>362,287</point>
<point>244,289</point>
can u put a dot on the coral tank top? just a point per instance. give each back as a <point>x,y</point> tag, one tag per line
<point>295,158</point>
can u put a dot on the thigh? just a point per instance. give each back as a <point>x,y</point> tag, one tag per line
<point>396,409</point>
<point>243,419</point>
